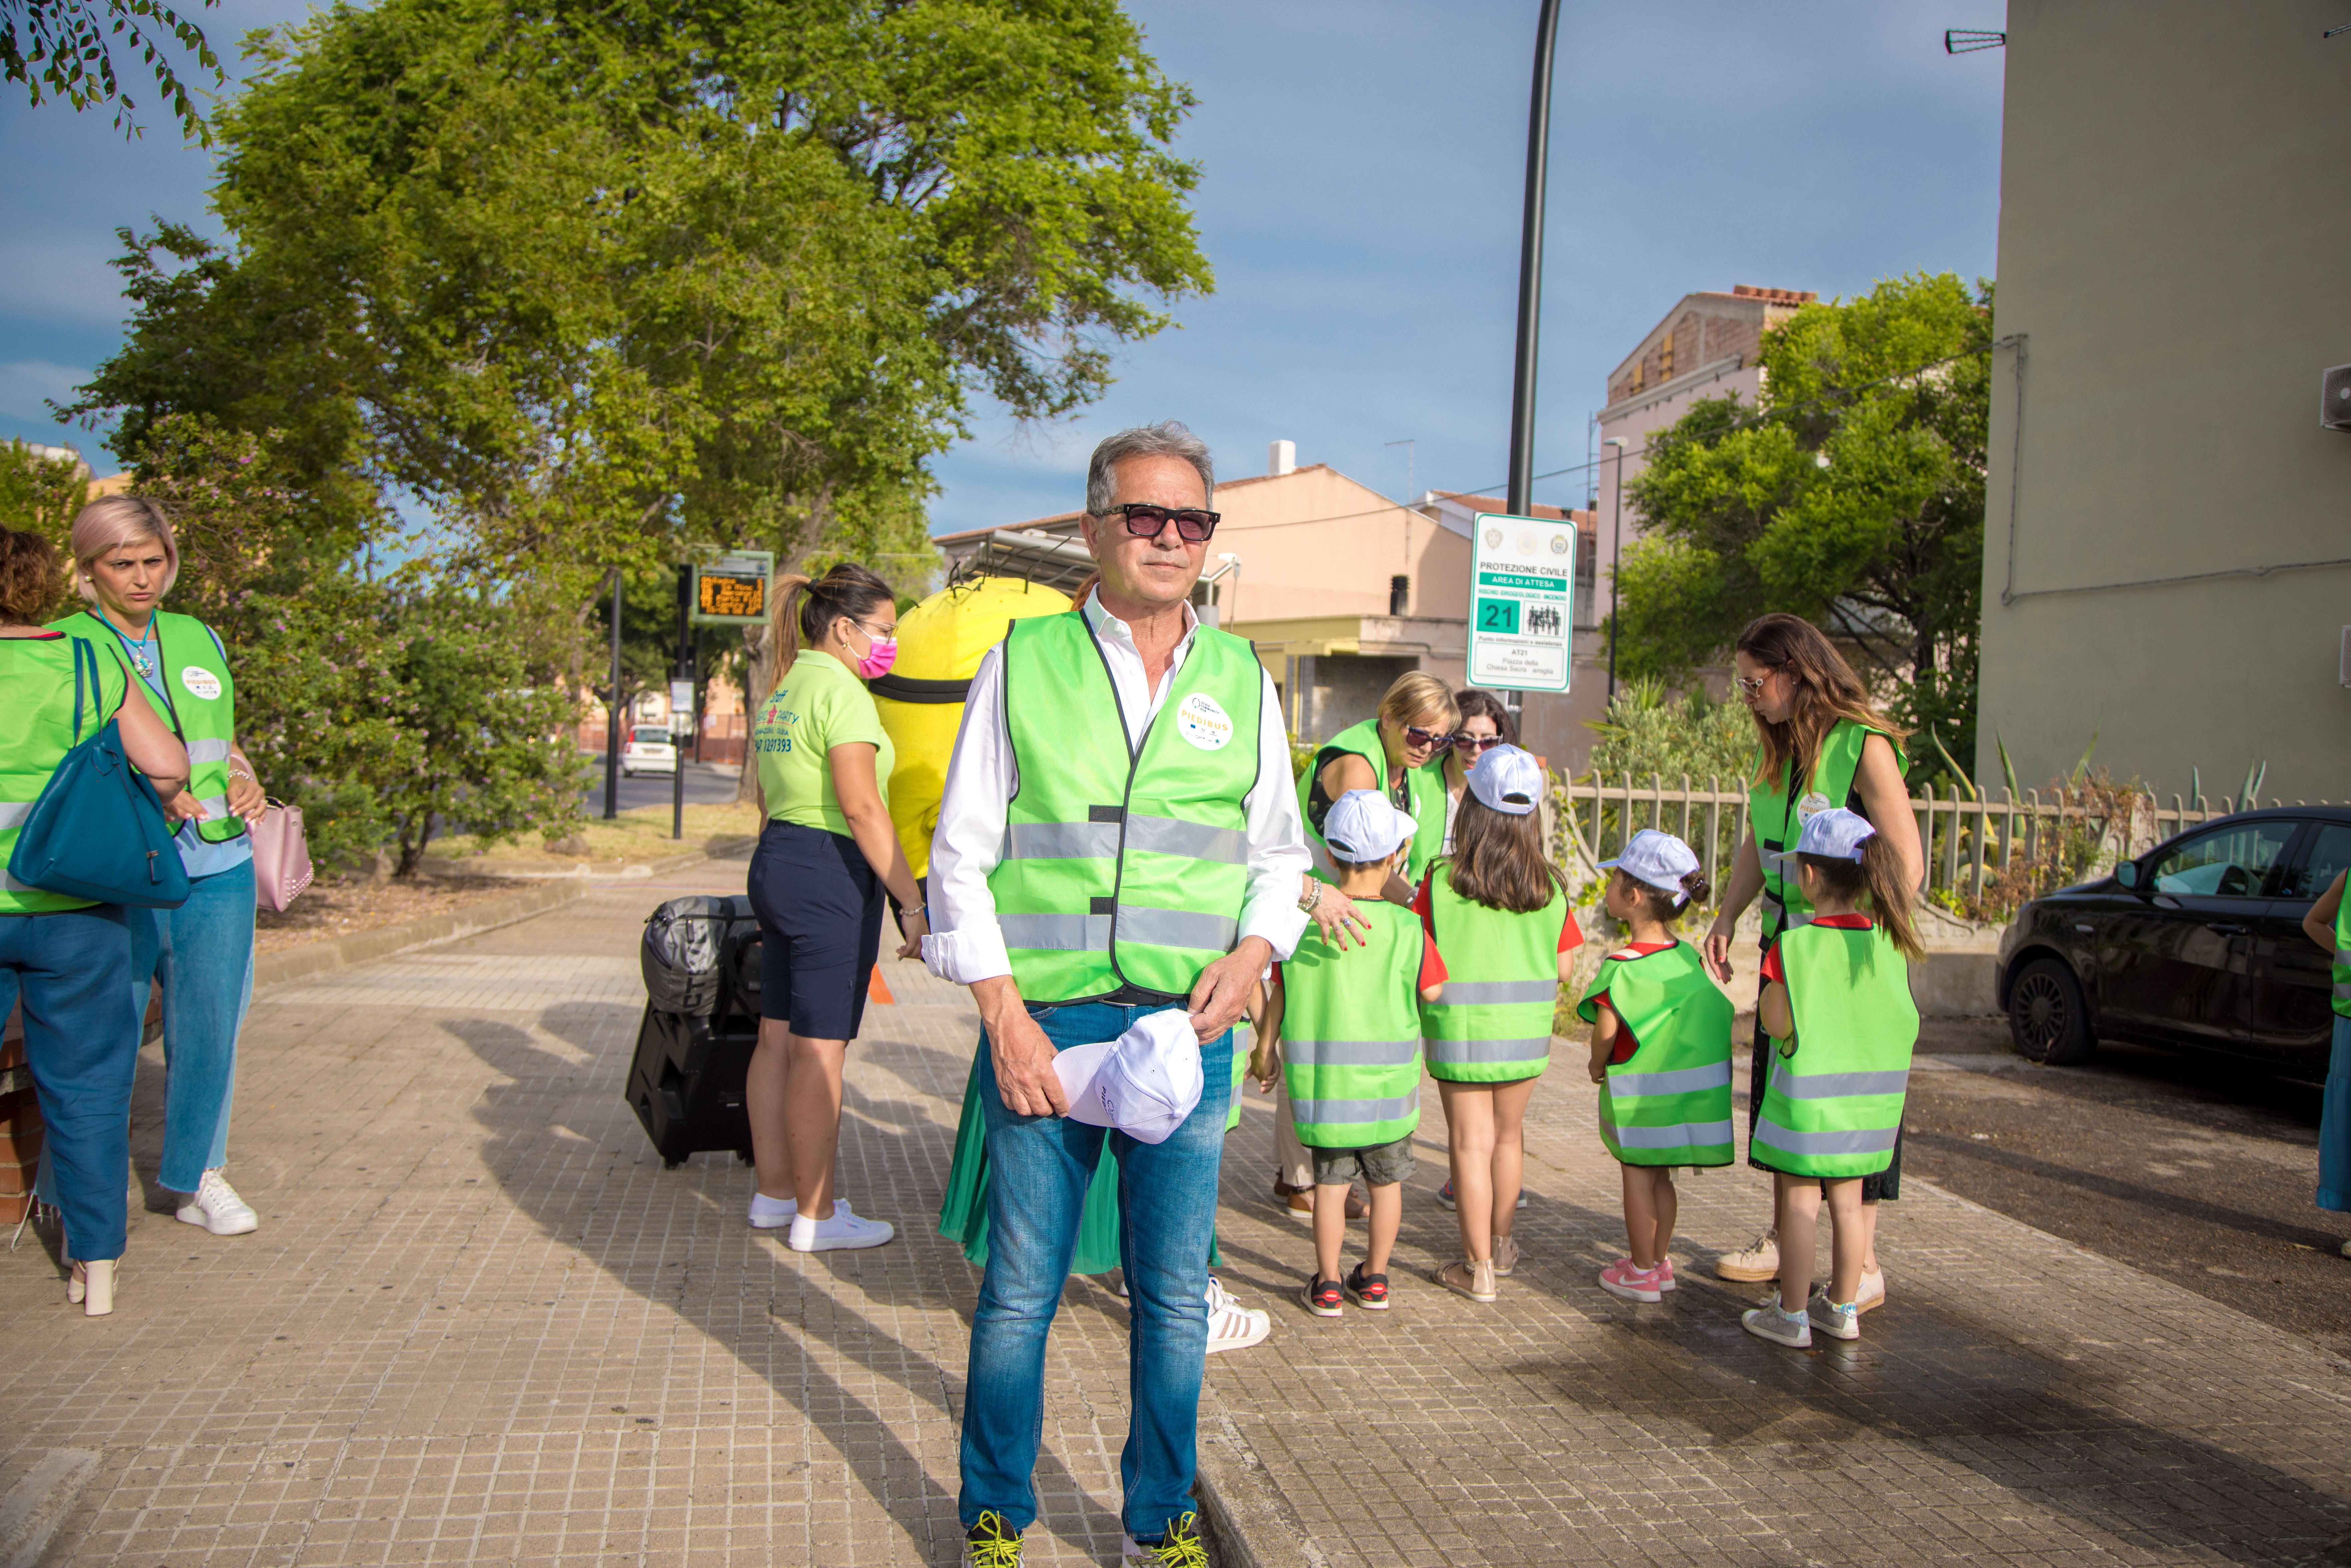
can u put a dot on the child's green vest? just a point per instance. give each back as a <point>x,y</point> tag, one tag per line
<point>35,737</point>
<point>1123,869</point>
<point>1424,793</point>
<point>1491,1024</point>
<point>1350,1036</point>
<point>199,703</point>
<point>1778,814</point>
<point>1668,1103</point>
<point>1834,1104</point>
<point>2343,956</point>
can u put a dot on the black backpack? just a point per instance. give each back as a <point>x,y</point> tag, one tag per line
<point>685,950</point>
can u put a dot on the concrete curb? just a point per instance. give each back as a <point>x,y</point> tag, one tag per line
<point>1242,1514</point>
<point>36,1505</point>
<point>365,947</point>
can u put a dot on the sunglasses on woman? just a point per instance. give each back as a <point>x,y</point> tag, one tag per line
<point>1476,745</point>
<point>1751,686</point>
<point>1436,740</point>
<point>1147,522</point>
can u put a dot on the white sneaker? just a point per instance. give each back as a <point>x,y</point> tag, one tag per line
<point>1838,1321</point>
<point>1872,1291</point>
<point>842,1232</point>
<point>1758,1259</point>
<point>215,1205</point>
<point>772,1213</point>
<point>1232,1326</point>
<point>1791,1329</point>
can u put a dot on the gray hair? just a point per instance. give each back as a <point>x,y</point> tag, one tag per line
<point>1169,438</point>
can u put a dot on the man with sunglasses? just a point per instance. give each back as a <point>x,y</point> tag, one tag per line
<point>1117,837</point>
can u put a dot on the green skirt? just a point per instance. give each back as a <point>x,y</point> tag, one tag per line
<point>963,1212</point>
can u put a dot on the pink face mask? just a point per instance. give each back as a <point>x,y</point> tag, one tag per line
<point>880,653</point>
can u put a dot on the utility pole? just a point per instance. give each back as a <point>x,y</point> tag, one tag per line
<point>1530,242</point>
<point>682,671</point>
<point>1616,554</point>
<point>613,715</point>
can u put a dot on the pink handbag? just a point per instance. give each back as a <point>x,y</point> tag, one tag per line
<point>281,857</point>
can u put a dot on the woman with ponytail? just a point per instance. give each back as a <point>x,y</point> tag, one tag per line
<point>827,852</point>
<point>1837,1013</point>
<point>1823,745</point>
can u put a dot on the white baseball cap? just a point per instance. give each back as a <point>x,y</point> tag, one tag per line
<point>1144,1082</point>
<point>1364,827</point>
<point>1508,779</point>
<point>1658,860</point>
<point>1834,834</point>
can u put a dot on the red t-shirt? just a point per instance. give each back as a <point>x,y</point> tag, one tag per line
<point>1569,935</point>
<point>1432,967</point>
<point>1626,1044</point>
<point>1857,921</point>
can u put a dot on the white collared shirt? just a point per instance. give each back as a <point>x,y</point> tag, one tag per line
<point>966,944</point>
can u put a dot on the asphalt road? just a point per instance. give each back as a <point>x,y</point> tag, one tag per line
<point>2198,1171</point>
<point>707,784</point>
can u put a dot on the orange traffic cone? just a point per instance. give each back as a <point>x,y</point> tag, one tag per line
<point>877,990</point>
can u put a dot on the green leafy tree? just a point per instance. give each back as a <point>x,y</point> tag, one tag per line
<point>1851,495</point>
<point>1647,732</point>
<point>65,49</point>
<point>40,494</point>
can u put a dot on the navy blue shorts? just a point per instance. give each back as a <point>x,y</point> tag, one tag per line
<point>819,908</point>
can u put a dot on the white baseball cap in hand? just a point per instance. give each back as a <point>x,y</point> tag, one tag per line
<point>1834,835</point>
<point>1656,858</point>
<point>1363,826</point>
<point>1507,779</point>
<point>1144,1083</point>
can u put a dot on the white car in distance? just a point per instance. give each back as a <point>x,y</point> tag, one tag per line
<point>648,750</point>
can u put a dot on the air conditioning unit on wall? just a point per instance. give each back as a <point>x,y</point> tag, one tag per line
<point>2334,399</point>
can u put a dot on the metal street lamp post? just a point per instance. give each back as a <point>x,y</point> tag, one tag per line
<point>612,714</point>
<point>1616,557</point>
<point>1530,239</point>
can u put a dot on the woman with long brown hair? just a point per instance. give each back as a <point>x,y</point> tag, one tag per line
<point>826,855</point>
<point>1824,746</point>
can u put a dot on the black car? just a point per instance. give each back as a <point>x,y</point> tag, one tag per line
<point>2198,944</point>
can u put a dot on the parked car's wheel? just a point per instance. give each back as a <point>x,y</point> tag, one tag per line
<point>2047,1016</point>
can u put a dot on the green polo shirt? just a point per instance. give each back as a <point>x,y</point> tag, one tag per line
<point>818,706</point>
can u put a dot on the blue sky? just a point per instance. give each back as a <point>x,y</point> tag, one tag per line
<point>1362,164</point>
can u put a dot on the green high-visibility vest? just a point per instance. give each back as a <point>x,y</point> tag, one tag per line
<point>1424,799</point>
<point>1351,1035</point>
<point>38,688</point>
<point>1669,1102</point>
<point>1124,869</point>
<point>1491,1024</point>
<point>199,703</point>
<point>2343,955</point>
<point>1834,1104</point>
<point>1778,813</point>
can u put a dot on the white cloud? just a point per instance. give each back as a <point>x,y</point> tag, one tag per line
<point>62,281</point>
<point>23,383</point>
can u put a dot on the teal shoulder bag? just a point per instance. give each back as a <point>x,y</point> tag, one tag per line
<point>98,830</point>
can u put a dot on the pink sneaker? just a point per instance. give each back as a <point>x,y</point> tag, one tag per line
<point>1665,1273</point>
<point>1622,1279</point>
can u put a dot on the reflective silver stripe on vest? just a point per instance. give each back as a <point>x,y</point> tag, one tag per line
<point>1177,928</point>
<point>1691,1134</point>
<point>1471,993</point>
<point>208,751</point>
<point>1057,933</point>
<point>1681,1081</point>
<point>1460,1052</point>
<point>1061,842</point>
<point>14,812</point>
<point>1837,1085</point>
<point>1327,1113</point>
<point>215,807</point>
<point>1350,1053</point>
<point>1193,840</point>
<point>1861,1141</point>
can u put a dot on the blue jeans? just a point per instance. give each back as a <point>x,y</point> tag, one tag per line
<point>2334,1124</point>
<point>81,1041</point>
<point>1038,1168</point>
<point>203,954</point>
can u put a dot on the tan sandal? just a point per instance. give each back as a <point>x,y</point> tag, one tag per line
<point>1473,1277</point>
<point>91,1287</point>
<point>1506,1256</point>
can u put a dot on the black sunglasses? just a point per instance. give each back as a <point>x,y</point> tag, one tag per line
<point>1435,739</point>
<point>1476,742</point>
<point>1148,521</point>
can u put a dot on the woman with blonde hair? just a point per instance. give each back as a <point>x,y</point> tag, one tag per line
<point>66,956</point>
<point>200,954</point>
<point>1824,747</point>
<point>1396,752</point>
<point>826,855</point>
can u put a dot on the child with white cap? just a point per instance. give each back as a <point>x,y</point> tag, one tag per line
<point>1660,1053</point>
<point>1497,911</point>
<point>1343,1031</point>
<point>1836,1006</point>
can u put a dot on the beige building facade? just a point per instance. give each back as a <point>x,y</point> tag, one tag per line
<point>2167,525</point>
<point>1341,590</point>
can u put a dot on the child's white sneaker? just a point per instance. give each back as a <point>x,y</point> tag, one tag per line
<point>842,1232</point>
<point>771,1213</point>
<point>1232,1326</point>
<point>215,1205</point>
<point>1791,1329</point>
<point>1839,1322</point>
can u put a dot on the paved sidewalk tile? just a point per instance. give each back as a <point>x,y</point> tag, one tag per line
<point>481,1324</point>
